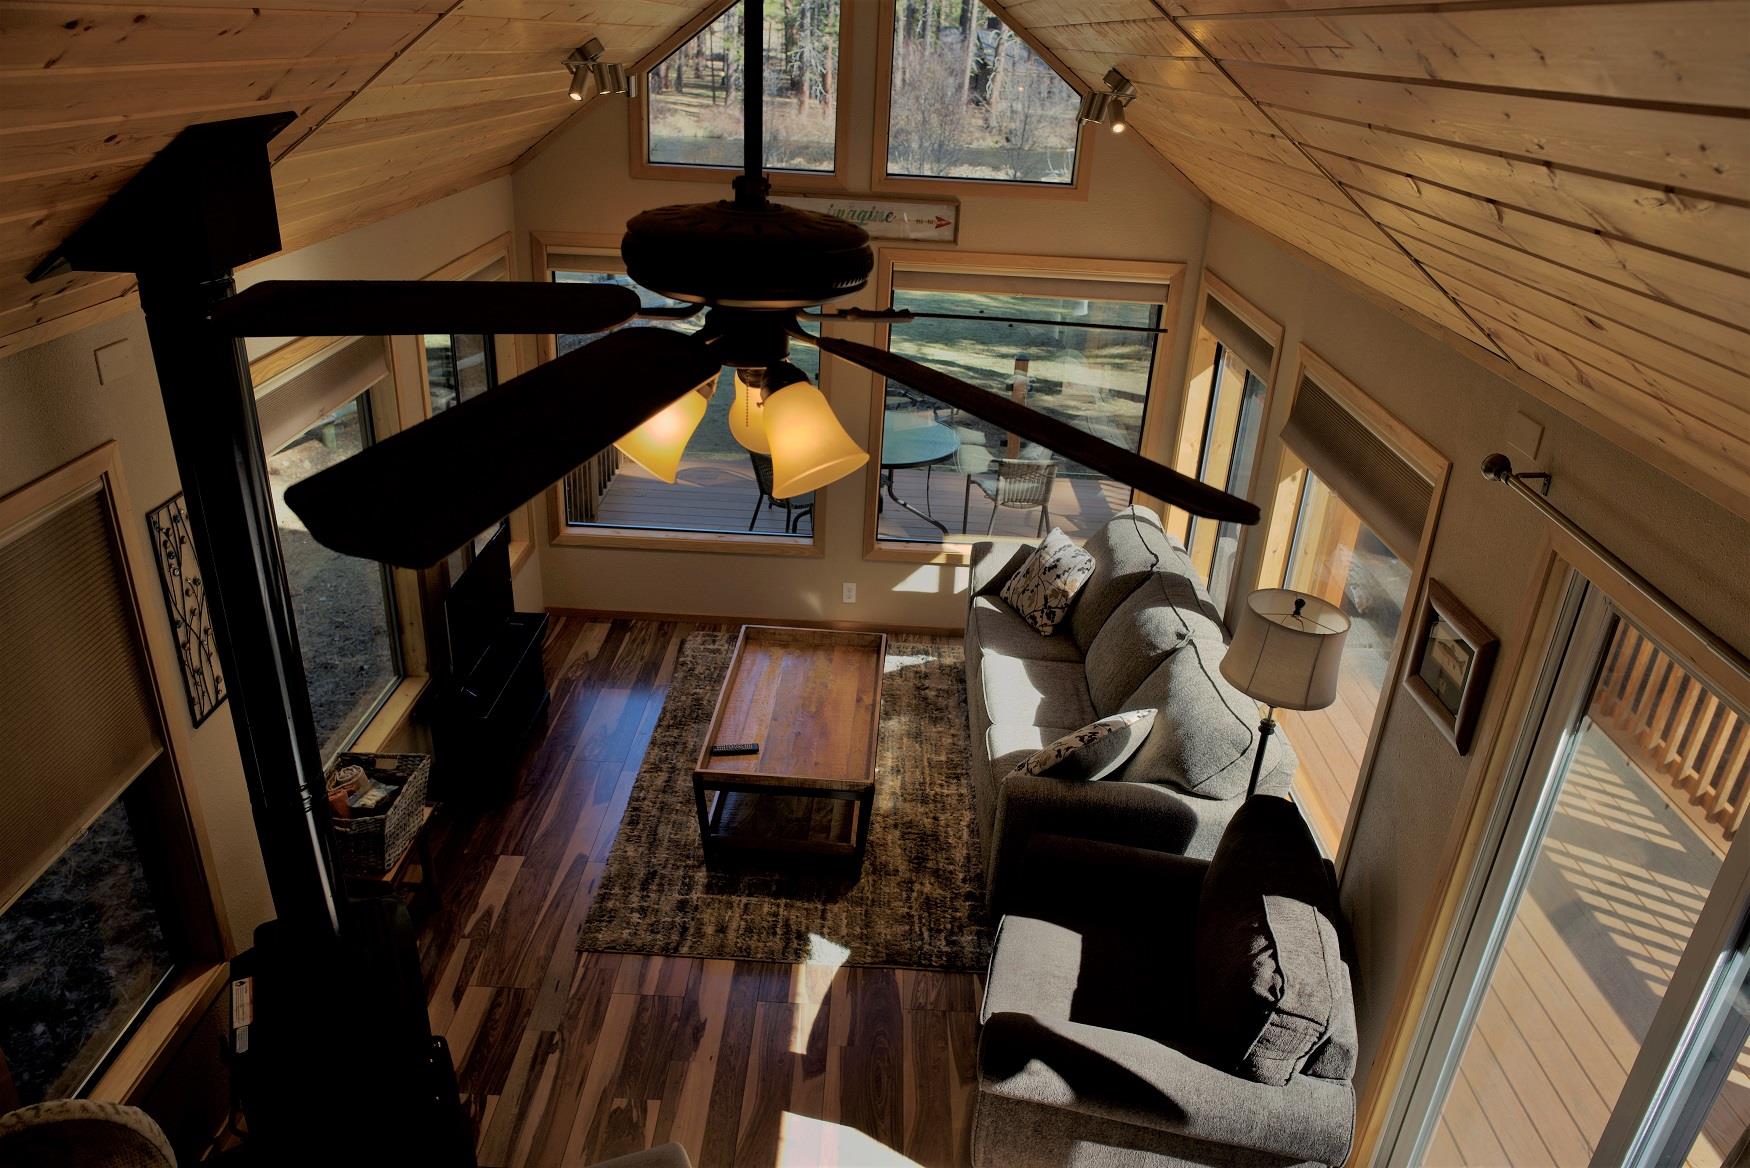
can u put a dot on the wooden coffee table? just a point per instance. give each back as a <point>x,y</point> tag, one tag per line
<point>811,700</point>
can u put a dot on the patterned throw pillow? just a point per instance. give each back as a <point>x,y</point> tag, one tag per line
<point>1043,587</point>
<point>1094,751</point>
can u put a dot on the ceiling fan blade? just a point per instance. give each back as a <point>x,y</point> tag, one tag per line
<point>1129,468</point>
<point>416,496</point>
<point>339,308</point>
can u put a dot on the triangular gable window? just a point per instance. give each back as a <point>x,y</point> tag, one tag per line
<point>971,100</point>
<point>695,115</point>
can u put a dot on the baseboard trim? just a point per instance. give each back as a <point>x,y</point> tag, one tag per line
<point>713,618</point>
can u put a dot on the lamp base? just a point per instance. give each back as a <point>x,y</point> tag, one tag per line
<point>1266,727</point>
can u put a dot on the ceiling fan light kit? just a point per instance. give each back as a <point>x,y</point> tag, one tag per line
<point>659,443</point>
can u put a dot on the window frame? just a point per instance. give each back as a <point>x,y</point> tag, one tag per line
<point>1193,418</point>
<point>922,187</point>
<point>546,246</point>
<point>1281,517</point>
<point>382,722</point>
<point>178,1004</point>
<point>889,261</point>
<point>800,181</point>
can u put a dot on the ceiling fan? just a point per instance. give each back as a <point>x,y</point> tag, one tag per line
<point>750,265</point>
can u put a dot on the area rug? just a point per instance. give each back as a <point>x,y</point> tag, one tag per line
<point>917,901</point>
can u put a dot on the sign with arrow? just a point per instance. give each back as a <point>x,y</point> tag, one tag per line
<point>884,218</point>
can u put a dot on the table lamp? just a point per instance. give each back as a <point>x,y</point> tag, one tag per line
<point>1285,651</point>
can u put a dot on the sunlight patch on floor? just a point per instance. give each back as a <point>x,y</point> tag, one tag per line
<point>805,1142</point>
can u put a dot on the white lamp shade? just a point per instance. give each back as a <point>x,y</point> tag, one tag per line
<point>658,444</point>
<point>747,418</point>
<point>1286,649</point>
<point>809,447</point>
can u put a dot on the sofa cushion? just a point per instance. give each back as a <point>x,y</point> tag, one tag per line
<point>1009,744</point>
<point>1202,741</point>
<point>1086,973</point>
<point>1269,974</point>
<point>1094,751</point>
<point>1125,551</point>
<point>1135,639</point>
<point>1039,693</point>
<point>999,629</point>
<point>1045,586</point>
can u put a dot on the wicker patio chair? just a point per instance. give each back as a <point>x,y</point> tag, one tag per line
<point>1018,483</point>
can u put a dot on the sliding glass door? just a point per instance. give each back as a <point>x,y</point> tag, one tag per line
<point>1594,1012</point>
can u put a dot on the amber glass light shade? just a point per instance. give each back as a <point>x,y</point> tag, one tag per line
<point>659,443</point>
<point>809,447</point>
<point>747,417</point>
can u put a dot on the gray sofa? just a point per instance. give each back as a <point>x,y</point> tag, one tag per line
<point>1141,633</point>
<point>1109,1021</point>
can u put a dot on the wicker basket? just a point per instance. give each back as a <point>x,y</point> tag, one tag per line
<point>368,846</point>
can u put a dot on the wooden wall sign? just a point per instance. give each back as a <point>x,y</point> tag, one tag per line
<point>885,218</point>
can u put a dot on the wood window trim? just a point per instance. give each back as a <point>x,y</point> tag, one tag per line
<point>889,260</point>
<point>159,1034</point>
<point>1288,473</point>
<point>1192,420</point>
<point>543,246</point>
<point>883,183</point>
<point>798,181</point>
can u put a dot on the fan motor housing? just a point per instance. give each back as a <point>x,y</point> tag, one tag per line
<point>771,256</point>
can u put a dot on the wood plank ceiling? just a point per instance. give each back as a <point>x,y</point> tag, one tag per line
<point>1560,183</point>
<point>399,103</point>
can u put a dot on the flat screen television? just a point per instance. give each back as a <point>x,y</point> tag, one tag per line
<point>479,603</point>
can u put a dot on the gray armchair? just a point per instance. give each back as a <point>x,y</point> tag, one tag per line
<point>1093,1053</point>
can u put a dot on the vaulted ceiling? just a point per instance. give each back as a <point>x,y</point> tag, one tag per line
<point>1561,184</point>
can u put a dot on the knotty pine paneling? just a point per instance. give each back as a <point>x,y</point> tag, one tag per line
<point>398,103</point>
<point>1568,177</point>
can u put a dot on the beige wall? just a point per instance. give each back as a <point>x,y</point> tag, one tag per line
<point>1139,210</point>
<point>1484,551</point>
<point>53,409</point>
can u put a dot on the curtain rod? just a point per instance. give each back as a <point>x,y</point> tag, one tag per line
<point>1499,468</point>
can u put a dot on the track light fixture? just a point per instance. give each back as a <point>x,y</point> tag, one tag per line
<point>586,62</point>
<point>1107,108</point>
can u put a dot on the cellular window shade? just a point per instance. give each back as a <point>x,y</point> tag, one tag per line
<point>1372,478</point>
<point>76,716</point>
<point>289,408</point>
<point>1238,338</point>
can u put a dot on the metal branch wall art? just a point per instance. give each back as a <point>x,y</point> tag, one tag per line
<point>186,598</point>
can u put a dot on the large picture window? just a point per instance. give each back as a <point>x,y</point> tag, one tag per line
<point>345,607</point>
<point>695,94</point>
<point>1226,395</point>
<point>1355,503</point>
<point>969,99</point>
<point>721,488</point>
<point>945,475</point>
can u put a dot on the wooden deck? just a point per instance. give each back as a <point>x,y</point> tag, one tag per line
<point>1585,962</point>
<point>567,1058</point>
<point>713,495</point>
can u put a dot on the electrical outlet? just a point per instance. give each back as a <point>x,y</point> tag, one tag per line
<point>850,593</point>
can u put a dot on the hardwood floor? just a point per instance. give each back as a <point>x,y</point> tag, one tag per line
<point>569,1058</point>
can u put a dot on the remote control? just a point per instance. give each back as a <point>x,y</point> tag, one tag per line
<point>736,748</point>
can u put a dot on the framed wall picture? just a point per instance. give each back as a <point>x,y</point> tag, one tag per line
<point>1450,658</point>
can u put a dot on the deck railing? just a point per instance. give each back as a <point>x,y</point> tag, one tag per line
<point>584,487</point>
<point>1677,730</point>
